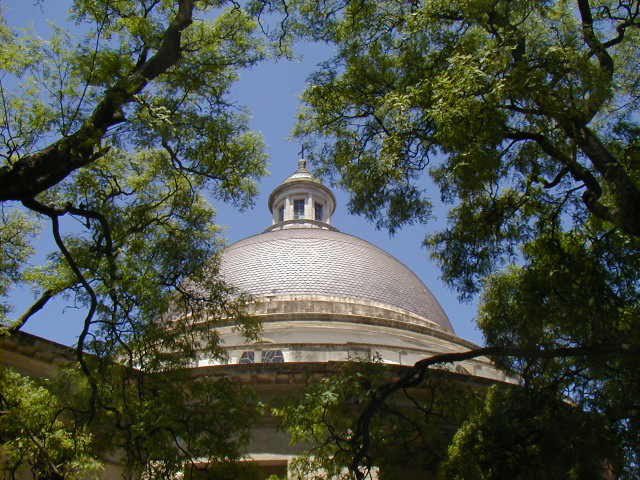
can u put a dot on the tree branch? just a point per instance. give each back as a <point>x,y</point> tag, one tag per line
<point>35,173</point>
<point>558,178</point>
<point>602,89</point>
<point>361,439</point>
<point>605,60</point>
<point>591,197</point>
<point>54,215</point>
<point>625,192</point>
<point>33,309</point>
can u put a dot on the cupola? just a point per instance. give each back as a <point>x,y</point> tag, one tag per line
<point>301,201</point>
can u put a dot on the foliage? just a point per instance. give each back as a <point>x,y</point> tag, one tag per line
<point>15,234</point>
<point>523,112</point>
<point>525,116</point>
<point>378,421</point>
<point>187,138</point>
<point>521,433</point>
<point>111,138</point>
<point>35,434</point>
<point>577,293</point>
<point>153,425</point>
<point>411,434</point>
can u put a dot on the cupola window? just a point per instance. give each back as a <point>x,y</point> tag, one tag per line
<point>298,208</point>
<point>318,211</point>
<point>281,213</point>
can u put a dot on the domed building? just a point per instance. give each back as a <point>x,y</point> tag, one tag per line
<point>323,295</point>
<point>323,298</point>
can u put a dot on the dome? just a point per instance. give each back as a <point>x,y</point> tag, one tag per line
<point>320,261</point>
<point>325,296</point>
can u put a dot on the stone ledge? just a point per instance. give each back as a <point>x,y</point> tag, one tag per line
<point>302,373</point>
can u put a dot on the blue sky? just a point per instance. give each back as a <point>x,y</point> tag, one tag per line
<point>271,93</point>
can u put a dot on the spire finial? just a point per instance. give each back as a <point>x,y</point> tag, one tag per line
<point>302,162</point>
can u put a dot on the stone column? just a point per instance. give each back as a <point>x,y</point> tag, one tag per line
<point>288,214</point>
<point>308,207</point>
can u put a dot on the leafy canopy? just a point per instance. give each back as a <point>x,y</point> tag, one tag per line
<point>409,437</point>
<point>114,133</point>
<point>524,114</point>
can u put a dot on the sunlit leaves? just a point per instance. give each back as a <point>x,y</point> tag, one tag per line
<point>456,78</point>
<point>137,97</point>
<point>522,113</point>
<point>145,224</point>
<point>37,436</point>
<point>17,230</point>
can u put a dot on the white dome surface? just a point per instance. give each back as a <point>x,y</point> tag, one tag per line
<point>315,261</point>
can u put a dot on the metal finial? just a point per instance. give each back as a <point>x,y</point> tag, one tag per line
<point>302,163</point>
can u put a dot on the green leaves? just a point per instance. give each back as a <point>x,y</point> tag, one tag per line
<point>37,433</point>
<point>116,135</point>
<point>521,113</point>
<point>155,427</point>
<point>16,231</point>
<point>408,434</point>
<point>574,290</point>
<point>147,227</point>
<point>521,434</point>
<point>477,81</point>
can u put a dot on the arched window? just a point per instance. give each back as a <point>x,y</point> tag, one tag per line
<point>247,357</point>
<point>272,356</point>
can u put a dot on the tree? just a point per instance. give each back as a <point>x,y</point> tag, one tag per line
<point>525,116</point>
<point>408,439</point>
<point>122,128</point>
<point>34,437</point>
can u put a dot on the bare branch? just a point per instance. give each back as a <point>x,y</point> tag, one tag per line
<point>33,309</point>
<point>55,215</point>
<point>99,29</point>
<point>590,37</point>
<point>558,178</point>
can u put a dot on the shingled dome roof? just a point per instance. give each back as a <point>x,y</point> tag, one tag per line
<point>316,261</point>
